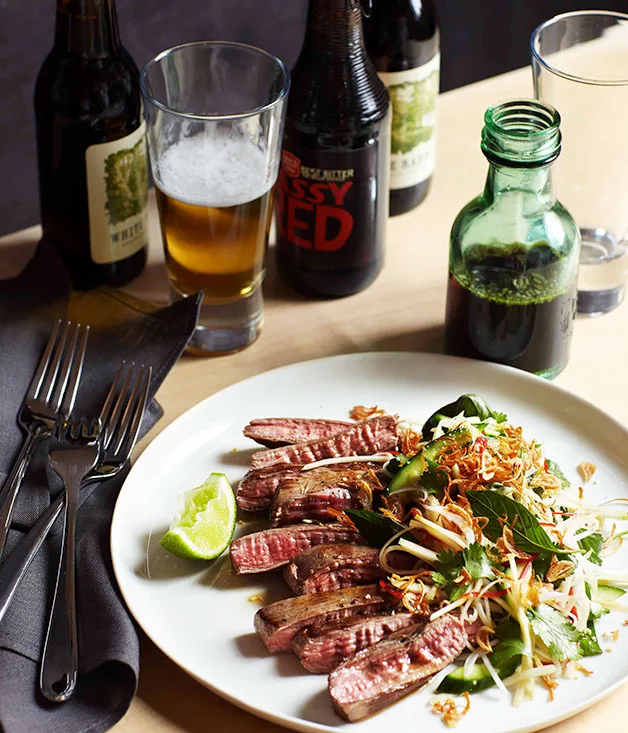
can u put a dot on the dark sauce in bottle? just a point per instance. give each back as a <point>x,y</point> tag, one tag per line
<point>507,306</point>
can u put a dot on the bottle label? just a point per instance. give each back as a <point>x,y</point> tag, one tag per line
<point>334,203</point>
<point>413,98</point>
<point>117,193</point>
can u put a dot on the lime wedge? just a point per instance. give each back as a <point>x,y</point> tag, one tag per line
<point>205,521</point>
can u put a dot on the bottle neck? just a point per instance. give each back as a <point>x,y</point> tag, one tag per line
<point>334,28</point>
<point>87,28</point>
<point>528,189</point>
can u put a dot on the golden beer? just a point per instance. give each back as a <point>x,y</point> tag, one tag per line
<point>215,210</point>
<point>217,249</point>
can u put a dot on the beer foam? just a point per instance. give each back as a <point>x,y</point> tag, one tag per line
<point>210,169</point>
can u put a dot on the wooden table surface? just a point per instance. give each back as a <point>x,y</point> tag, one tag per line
<point>402,311</point>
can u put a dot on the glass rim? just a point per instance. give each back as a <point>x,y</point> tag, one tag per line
<point>536,53</point>
<point>215,117</point>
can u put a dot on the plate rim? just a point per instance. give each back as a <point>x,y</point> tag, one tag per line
<point>288,721</point>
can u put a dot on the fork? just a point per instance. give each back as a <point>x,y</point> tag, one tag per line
<point>50,397</point>
<point>72,462</point>
<point>121,416</point>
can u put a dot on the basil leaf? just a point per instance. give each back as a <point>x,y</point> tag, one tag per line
<point>505,651</point>
<point>471,405</point>
<point>541,565</point>
<point>593,543</point>
<point>376,529</point>
<point>559,635</point>
<point>528,534</point>
<point>555,469</point>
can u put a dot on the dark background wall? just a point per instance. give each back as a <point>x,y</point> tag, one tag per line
<point>480,38</point>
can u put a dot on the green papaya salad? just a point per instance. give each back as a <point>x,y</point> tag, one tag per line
<point>498,536</point>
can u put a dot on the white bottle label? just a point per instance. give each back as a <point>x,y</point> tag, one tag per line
<point>117,191</point>
<point>413,99</point>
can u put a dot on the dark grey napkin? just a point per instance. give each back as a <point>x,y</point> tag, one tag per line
<point>121,328</point>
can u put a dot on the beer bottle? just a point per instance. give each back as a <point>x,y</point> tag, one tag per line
<point>332,191</point>
<point>91,147</point>
<point>403,41</point>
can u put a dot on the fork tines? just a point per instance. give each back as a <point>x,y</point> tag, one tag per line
<point>122,412</point>
<point>56,379</point>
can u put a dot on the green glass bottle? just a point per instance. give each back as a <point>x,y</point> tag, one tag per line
<point>513,260</point>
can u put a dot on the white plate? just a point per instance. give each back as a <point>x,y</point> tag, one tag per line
<point>202,617</point>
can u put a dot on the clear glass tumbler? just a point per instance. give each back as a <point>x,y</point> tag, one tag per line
<point>580,66</point>
<point>215,114</point>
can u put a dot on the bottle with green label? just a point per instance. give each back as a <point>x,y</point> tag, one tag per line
<point>91,145</point>
<point>403,41</point>
<point>514,250</point>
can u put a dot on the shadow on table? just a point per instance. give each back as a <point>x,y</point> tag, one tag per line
<point>430,339</point>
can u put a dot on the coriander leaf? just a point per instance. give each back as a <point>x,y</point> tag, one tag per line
<point>476,562</point>
<point>455,591</point>
<point>589,645</point>
<point>593,543</point>
<point>499,416</point>
<point>555,469</point>
<point>439,579</point>
<point>559,635</point>
<point>528,534</point>
<point>376,529</point>
<point>448,567</point>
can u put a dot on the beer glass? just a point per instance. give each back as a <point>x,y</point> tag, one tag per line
<point>215,113</point>
<point>580,66</point>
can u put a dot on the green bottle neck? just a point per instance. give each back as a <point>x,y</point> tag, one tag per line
<point>527,191</point>
<point>87,28</point>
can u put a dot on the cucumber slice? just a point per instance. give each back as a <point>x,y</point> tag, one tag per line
<point>477,679</point>
<point>408,476</point>
<point>433,450</point>
<point>607,593</point>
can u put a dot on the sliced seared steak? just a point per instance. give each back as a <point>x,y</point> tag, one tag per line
<point>256,490</point>
<point>276,431</point>
<point>321,647</point>
<point>278,623</point>
<point>309,494</point>
<point>329,567</point>
<point>363,438</point>
<point>271,548</point>
<point>390,669</point>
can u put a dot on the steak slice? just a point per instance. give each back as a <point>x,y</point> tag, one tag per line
<point>363,438</point>
<point>395,666</point>
<point>271,548</point>
<point>256,490</point>
<point>278,623</point>
<point>321,647</point>
<point>309,494</point>
<point>276,431</point>
<point>330,567</point>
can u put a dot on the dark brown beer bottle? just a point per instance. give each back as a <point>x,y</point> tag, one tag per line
<point>91,146</point>
<point>332,191</point>
<point>402,37</point>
